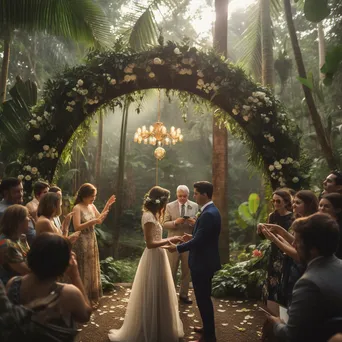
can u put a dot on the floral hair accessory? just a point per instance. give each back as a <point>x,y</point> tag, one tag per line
<point>148,199</point>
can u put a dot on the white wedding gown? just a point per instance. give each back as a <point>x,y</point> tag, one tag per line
<point>152,312</point>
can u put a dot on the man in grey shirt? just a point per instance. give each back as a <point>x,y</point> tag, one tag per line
<point>12,192</point>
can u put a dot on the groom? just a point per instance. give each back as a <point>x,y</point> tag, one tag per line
<point>204,258</point>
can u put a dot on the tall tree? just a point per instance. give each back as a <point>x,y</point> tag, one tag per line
<point>81,20</point>
<point>266,44</point>
<point>315,117</point>
<point>220,136</point>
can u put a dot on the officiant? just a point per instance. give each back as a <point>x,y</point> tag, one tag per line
<point>180,218</point>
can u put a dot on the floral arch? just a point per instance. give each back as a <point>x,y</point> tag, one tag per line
<point>246,107</point>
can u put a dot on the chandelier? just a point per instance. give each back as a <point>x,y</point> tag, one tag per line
<point>157,135</point>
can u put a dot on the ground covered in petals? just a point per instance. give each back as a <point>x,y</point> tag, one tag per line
<point>236,320</point>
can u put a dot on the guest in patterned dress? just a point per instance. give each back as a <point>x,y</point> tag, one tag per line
<point>85,217</point>
<point>13,244</point>
<point>282,216</point>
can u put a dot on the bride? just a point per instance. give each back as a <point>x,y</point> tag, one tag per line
<point>152,311</point>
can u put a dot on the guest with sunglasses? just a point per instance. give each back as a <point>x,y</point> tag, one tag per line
<point>283,217</point>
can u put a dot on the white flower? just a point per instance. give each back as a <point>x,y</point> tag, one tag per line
<point>271,139</point>
<point>282,184</point>
<point>176,51</point>
<point>157,201</point>
<point>127,78</point>
<point>84,92</point>
<point>28,126</point>
<point>128,70</point>
<point>21,177</point>
<point>80,83</point>
<point>200,73</point>
<point>108,79</point>
<point>289,160</point>
<point>151,75</point>
<point>72,103</point>
<point>250,99</point>
<point>276,163</point>
<point>131,65</point>
<point>284,128</point>
<point>246,117</point>
<point>39,118</point>
<point>37,137</point>
<point>69,94</point>
<point>200,82</point>
<point>91,102</point>
<point>282,161</point>
<point>295,179</point>
<point>185,61</point>
<point>69,109</point>
<point>271,167</point>
<point>46,147</point>
<point>40,155</point>
<point>266,119</point>
<point>52,156</point>
<point>28,168</point>
<point>235,111</point>
<point>47,155</point>
<point>133,77</point>
<point>278,166</point>
<point>33,122</point>
<point>113,81</point>
<point>28,178</point>
<point>296,164</point>
<point>157,61</point>
<point>34,170</point>
<point>246,108</point>
<point>46,115</point>
<point>53,149</point>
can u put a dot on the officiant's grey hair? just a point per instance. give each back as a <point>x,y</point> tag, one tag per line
<point>183,188</point>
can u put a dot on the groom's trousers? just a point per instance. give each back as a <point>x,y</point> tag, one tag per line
<point>202,288</point>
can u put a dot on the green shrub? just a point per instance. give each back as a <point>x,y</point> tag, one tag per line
<point>244,278</point>
<point>117,271</point>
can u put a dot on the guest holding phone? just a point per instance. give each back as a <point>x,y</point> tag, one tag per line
<point>179,219</point>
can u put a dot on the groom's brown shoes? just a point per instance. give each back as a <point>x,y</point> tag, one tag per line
<point>198,330</point>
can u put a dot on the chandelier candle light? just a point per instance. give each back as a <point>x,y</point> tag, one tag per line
<point>158,135</point>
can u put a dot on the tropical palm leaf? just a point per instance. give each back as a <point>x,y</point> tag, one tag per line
<point>139,27</point>
<point>81,20</point>
<point>250,44</point>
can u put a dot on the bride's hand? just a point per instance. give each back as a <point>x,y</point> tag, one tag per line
<point>176,239</point>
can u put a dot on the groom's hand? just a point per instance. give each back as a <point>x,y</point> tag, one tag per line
<point>170,248</point>
<point>186,237</point>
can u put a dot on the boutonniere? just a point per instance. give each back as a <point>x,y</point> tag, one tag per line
<point>189,206</point>
<point>198,214</point>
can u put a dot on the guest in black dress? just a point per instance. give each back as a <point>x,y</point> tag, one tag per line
<point>283,217</point>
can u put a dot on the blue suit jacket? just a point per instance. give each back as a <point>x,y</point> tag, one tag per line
<point>203,249</point>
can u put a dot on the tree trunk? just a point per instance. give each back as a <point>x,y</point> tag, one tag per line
<point>5,66</point>
<point>315,117</point>
<point>120,180</point>
<point>267,45</point>
<point>321,47</point>
<point>220,138</point>
<point>98,159</point>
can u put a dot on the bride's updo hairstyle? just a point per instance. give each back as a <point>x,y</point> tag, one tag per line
<point>155,201</point>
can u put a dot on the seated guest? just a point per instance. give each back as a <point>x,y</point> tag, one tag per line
<point>48,209</point>
<point>14,223</point>
<point>317,296</point>
<point>49,258</point>
<point>12,191</point>
<point>39,190</point>
<point>57,220</point>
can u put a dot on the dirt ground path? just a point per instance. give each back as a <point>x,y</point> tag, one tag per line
<point>236,320</point>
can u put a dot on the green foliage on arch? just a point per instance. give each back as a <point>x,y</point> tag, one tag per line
<point>246,108</point>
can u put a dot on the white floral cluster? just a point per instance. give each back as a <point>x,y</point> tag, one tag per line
<point>278,165</point>
<point>78,89</point>
<point>269,137</point>
<point>206,87</point>
<point>110,79</point>
<point>33,171</point>
<point>48,152</point>
<point>150,200</point>
<point>257,100</point>
<point>129,77</point>
<point>39,120</point>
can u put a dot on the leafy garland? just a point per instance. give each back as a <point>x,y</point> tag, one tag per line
<point>246,108</point>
